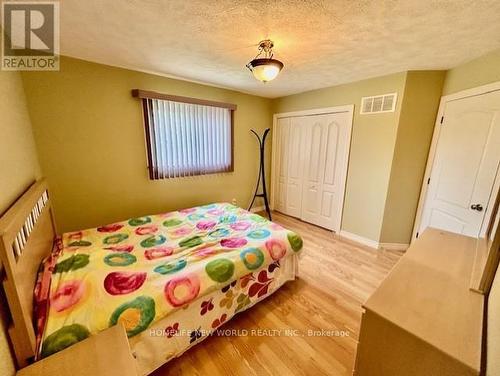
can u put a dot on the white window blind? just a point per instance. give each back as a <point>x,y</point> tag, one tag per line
<point>186,139</point>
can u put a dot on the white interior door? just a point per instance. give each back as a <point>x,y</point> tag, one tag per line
<point>326,142</point>
<point>337,142</point>
<point>465,165</point>
<point>314,153</point>
<point>294,168</point>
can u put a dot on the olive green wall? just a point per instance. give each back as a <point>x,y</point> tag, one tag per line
<point>420,104</point>
<point>18,159</point>
<point>18,169</point>
<point>89,133</point>
<point>480,71</point>
<point>372,147</point>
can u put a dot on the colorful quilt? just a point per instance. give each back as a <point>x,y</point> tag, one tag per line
<point>173,335</point>
<point>139,271</point>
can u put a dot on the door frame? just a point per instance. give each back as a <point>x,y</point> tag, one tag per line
<point>476,91</point>
<point>316,111</point>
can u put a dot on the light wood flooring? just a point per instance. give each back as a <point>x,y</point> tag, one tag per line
<point>335,278</point>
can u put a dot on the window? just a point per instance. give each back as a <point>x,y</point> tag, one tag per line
<point>186,136</point>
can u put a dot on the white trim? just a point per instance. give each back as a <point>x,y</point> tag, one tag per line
<point>344,171</point>
<point>480,90</point>
<point>359,239</point>
<point>394,246</point>
<point>428,169</point>
<point>491,205</point>
<point>372,243</point>
<point>273,162</point>
<point>257,209</point>
<point>317,111</point>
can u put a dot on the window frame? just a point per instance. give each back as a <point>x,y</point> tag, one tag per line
<point>144,95</point>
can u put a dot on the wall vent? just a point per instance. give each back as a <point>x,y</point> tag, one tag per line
<point>379,103</point>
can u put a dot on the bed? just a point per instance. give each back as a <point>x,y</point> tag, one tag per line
<point>170,279</point>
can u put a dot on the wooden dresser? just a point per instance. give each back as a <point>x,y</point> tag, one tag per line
<point>424,319</point>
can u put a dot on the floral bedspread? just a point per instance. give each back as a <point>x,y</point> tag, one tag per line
<point>139,271</point>
<point>171,336</point>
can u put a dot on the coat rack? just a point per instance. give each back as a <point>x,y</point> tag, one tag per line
<point>262,173</point>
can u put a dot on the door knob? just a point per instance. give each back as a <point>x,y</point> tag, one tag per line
<point>477,207</point>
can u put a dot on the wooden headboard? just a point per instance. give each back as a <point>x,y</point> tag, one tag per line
<point>27,231</point>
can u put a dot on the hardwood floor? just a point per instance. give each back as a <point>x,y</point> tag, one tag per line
<point>335,277</point>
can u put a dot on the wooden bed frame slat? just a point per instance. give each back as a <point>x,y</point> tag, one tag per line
<point>27,232</point>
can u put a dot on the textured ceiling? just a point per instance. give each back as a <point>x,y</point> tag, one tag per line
<point>321,43</point>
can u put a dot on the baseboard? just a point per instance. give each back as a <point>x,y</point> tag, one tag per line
<point>394,246</point>
<point>257,209</point>
<point>372,243</point>
<point>359,239</point>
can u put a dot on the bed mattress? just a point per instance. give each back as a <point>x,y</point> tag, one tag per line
<point>171,336</point>
<point>166,268</point>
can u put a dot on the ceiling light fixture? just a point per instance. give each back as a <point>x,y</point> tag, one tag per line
<point>265,68</point>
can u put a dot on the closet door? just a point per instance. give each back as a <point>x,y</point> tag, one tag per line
<point>282,132</point>
<point>314,164</point>
<point>337,140</point>
<point>294,170</point>
<point>311,165</point>
<point>326,140</point>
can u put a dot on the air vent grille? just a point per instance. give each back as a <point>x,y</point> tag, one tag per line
<point>378,104</point>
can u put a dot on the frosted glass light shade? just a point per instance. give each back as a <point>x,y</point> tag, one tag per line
<point>265,69</point>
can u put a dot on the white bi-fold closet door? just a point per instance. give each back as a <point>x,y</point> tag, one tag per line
<point>310,155</point>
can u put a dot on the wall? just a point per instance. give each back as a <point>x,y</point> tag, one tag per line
<point>18,169</point>
<point>477,72</point>
<point>89,132</point>
<point>482,71</point>
<point>109,123</point>
<point>420,104</point>
<point>18,161</point>
<point>372,146</point>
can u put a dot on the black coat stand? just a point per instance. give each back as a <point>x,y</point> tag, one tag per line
<point>262,173</point>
